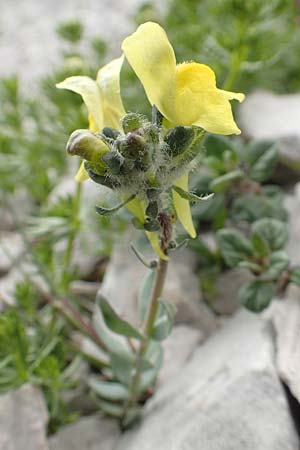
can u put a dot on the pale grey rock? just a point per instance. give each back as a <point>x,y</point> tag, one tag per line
<point>292,205</point>
<point>29,44</point>
<point>227,397</point>
<point>228,284</point>
<point>285,316</point>
<point>88,433</point>
<point>264,115</point>
<point>178,349</point>
<point>125,274</point>
<point>11,247</point>
<point>23,419</point>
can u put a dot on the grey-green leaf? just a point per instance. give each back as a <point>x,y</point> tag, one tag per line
<point>225,181</point>
<point>116,323</point>
<point>234,246</point>
<point>279,262</point>
<point>273,231</point>
<point>257,295</point>
<point>164,321</point>
<point>108,390</point>
<point>144,294</point>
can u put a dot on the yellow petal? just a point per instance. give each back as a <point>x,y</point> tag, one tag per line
<point>199,102</point>
<point>152,58</point>
<point>90,93</point>
<point>82,174</point>
<point>108,79</point>
<point>137,208</point>
<point>182,206</point>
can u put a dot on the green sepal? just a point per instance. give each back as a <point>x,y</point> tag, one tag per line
<point>110,133</point>
<point>193,198</point>
<point>157,117</point>
<point>152,209</point>
<point>108,211</point>
<point>114,161</point>
<point>179,139</point>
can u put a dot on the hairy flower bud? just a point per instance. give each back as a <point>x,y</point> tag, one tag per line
<point>110,133</point>
<point>132,121</point>
<point>86,144</point>
<point>114,161</point>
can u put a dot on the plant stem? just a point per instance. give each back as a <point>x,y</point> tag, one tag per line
<point>160,278</point>
<point>161,273</point>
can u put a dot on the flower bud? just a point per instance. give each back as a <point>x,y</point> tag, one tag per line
<point>179,139</point>
<point>110,133</point>
<point>153,193</point>
<point>151,224</point>
<point>132,121</point>
<point>152,210</point>
<point>86,144</point>
<point>114,161</point>
<point>131,145</point>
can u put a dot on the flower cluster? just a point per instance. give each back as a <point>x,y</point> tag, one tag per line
<point>148,162</point>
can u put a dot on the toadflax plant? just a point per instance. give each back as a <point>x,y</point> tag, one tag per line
<point>147,163</point>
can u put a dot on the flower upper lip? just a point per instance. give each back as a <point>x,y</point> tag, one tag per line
<point>186,93</point>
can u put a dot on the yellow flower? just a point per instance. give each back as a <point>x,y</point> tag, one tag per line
<point>186,94</point>
<point>105,109</point>
<point>102,99</point>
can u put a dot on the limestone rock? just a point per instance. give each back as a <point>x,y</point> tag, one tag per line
<point>23,417</point>
<point>285,316</point>
<point>228,397</point>
<point>88,433</point>
<point>124,276</point>
<point>30,28</point>
<point>265,115</point>
<point>292,204</point>
<point>178,349</point>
